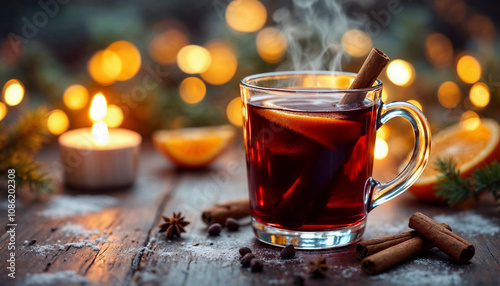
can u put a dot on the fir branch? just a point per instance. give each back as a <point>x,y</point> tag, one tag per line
<point>30,173</point>
<point>455,189</point>
<point>18,144</point>
<point>26,135</point>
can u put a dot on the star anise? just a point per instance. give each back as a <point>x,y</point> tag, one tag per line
<point>173,226</point>
<point>318,267</point>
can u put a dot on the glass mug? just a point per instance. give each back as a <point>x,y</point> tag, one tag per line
<point>310,159</point>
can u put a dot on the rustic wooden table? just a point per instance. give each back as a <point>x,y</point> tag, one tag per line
<point>112,238</point>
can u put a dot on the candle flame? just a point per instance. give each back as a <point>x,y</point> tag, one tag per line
<point>98,107</point>
<point>100,133</point>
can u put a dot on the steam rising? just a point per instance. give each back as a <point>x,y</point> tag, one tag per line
<point>313,30</point>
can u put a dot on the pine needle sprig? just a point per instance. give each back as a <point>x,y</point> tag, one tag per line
<point>455,188</point>
<point>19,143</point>
<point>26,135</point>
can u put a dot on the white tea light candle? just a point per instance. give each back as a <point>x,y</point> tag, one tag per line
<point>90,165</point>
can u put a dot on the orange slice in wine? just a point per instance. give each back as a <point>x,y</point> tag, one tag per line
<point>321,127</point>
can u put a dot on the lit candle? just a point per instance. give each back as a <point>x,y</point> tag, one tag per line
<point>98,158</point>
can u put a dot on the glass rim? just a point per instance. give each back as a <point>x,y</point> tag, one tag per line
<point>246,82</point>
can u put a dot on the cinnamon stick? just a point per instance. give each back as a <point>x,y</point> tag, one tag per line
<point>370,70</point>
<point>398,252</point>
<point>369,247</point>
<point>453,245</point>
<point>220,212</point>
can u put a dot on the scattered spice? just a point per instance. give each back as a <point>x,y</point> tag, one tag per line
<point>232,224</point>
<point>246,259</point>
<point>318,267</point>
<point>288,252</point>
<point>173,226</point>
<point>196,244</point>
<point>33,241</point>
<point>256,265</point>
<point>244,250</point>
<point>214,229</point>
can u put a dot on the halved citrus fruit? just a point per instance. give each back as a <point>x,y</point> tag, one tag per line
<point>194,147</point>
<point>468,147</point>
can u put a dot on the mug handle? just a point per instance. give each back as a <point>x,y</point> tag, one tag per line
<point>383,192</point>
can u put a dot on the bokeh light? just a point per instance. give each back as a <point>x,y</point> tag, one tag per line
<point>129,56</point>
<point>114,116</point>
<point>102,67</point>
<point>193,59</point>
<point>383,132</point>
<point>452,11</point>
<point>449,94</point>
<point>381,149</point>
<point>234,113</point>
<point>57,122</point>
<point>13,92</point>
<point>98,107</point>
<point>356,43</point>
<point>468,69</point>
<point>111,64</point>
<point>75,96</point>
<point>439,50</point>
<point>470,120</point>
<point>401,72</point>
<point>271,45</point>
<point>385,95</point>
<point>3,111</point>
<point>192,90</point>
<point>165,46</point>
<point>223,65</point>
<point>416,103</point>
<point>480,27</point>
<point>479,94</point>
<point>246,15</point>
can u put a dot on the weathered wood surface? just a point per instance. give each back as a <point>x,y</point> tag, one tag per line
<point>134,253</point>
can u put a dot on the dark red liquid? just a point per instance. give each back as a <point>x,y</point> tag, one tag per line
<point>307,169</point>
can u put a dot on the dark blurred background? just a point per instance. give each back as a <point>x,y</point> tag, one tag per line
<point>177,63</point>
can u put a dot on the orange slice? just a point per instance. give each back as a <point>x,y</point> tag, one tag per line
<point>320,127</point>
<point>194,147</point>
<point>469,148</point>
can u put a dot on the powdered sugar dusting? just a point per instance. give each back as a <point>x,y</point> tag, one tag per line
<point>77,230</point>
<point>64,277</point>
<point>423,271</point>
<point>85,238</point>
<point>470,223</point>
<point>63,206</point>
<point>390,229</point>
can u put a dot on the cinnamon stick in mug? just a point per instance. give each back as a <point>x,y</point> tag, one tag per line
<point>367,75</point>
<point>453,245</point>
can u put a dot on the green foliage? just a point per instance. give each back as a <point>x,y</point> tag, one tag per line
<point>455,188</point>
<point>18,143</point>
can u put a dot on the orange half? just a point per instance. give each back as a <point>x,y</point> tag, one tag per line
<point>469,148</point>
<point>194,147</point>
